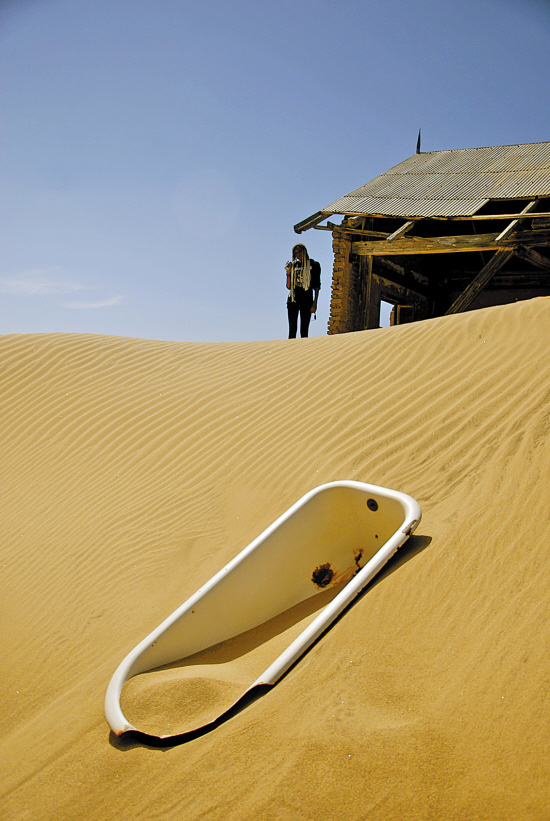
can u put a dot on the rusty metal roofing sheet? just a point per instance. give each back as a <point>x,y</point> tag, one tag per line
<point>452,183</point>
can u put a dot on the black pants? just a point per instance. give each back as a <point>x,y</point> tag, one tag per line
<point>302,306</point>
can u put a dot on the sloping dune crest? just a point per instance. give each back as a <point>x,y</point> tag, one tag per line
<point>132,470</point>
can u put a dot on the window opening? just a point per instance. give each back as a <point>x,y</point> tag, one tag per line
<point>386,309</point>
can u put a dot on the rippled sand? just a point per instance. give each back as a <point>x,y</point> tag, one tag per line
<point>132,470</point>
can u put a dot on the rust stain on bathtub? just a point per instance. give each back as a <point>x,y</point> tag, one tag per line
<point>322,575</point>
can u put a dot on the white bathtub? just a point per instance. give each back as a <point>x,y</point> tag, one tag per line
<point>339,532</point>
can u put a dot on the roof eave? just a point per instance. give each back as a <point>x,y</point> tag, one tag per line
<point>312,221</point>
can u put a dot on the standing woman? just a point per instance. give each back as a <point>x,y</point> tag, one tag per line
<point>303,280</point>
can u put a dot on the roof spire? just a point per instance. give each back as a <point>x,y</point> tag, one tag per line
<point>418,142</point>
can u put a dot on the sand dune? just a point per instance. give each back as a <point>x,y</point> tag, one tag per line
<point>132,470</point>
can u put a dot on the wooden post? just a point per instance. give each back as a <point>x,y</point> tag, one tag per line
<point>533,256</point>
<point>400,231</point>
<point>463,302</point>
<point>515,223</point>
<point>372,310</point>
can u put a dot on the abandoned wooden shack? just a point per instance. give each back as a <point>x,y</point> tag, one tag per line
<point>440,233</point>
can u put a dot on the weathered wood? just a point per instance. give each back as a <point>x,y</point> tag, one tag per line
<point>355,222</point>
<point>315,219</point>
<point>487,217</point>
<point>515,223</point>
<point>365,232</point>
<point>428,245</point>
<point>532,256</point>
<point>446,245</point>
<point>480,281</point>
<point>532,237</point>
<point>405,272</point>
<point>387,289</point>
<point>381,264</point>
<point>400,231</point>
<point>402,277</point>
<point>403,314</point>
<point>310,222</point>
<point>369,318</point>
<point>534,278</point>
<point>540,224</point>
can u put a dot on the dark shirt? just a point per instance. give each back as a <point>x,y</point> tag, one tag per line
<point>301,294</point>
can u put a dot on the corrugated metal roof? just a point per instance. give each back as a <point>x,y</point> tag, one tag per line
<point>452,183</point>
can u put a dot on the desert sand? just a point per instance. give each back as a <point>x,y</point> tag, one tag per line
<point>133,470</point>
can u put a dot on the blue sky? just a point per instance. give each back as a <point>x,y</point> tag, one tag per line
<point>155,154</point>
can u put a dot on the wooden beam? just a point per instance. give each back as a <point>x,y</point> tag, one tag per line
<point>428,245</point>
<point>355,222</point>
<point>537,237</point>
<point>405,272</point>
<point>540,224</point>
<point>480,281</point>
<point>386,271</point>
<point>502,280</point>
<point>532,256</point>
<point>370,316</point>
<point>456,218</point>
<point>540,234</point>
<point>487,217</point>
<point>515,223</point>
<point>310,222</point>
<point>400,231</point>
<point>365,232</point>
<point>445,245</point>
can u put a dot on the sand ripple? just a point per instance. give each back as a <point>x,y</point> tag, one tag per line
<point>132,470</point>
